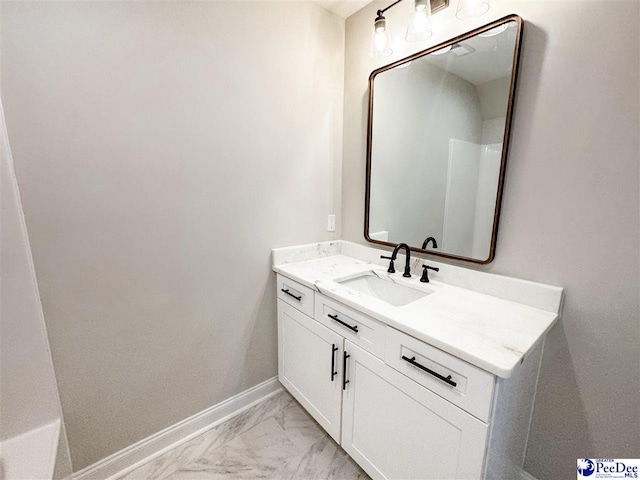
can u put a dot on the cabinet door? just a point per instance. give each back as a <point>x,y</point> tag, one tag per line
<point>307,351</point>
<point>397,429</point>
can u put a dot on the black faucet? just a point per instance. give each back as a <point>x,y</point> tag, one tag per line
<point>426,242</point>
<point>425,273</point>
<point>392,258</point>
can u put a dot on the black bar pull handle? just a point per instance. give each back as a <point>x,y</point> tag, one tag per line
<point>345,355</point>
<point>299,298</point>
<point>350,327</point>
<point>334,349</point>
<point>446,380</point>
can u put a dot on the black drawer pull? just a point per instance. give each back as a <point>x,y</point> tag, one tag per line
<point>413,362</point>
<point>291,294</point>
<point>334,349</point>
<point>335,317</point>
<point>344,370</point>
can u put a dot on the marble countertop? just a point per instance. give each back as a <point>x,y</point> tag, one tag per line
<point>487,331</point>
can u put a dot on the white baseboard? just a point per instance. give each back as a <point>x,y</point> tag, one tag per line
<point>141,452</point>
<point>524,475</point>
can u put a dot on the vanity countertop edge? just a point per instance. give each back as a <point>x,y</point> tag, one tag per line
<point>474,326</point>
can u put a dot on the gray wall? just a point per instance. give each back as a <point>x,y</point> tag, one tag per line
<point>162,149</point>
<point>570,211</point>
<point>494,98</point>
<point>28,389</point>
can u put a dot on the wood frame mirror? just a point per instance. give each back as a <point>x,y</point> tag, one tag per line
<point>483,250</point>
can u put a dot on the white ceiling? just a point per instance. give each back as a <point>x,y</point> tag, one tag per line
<point>343,8</point>
<point>492,58</point>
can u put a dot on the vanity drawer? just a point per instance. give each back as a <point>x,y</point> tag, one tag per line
<point>296,295</point>
<point>431,367</point>
<point>364,331</point>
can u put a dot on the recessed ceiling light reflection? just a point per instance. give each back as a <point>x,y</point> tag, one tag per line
<point>442,50</point>
<point>494,31</point>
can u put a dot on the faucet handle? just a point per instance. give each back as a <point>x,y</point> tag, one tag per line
<point>391,268</point>
<point>425,272</point>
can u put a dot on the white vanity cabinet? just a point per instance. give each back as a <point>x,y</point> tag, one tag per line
<point>401,408</point>
<point>310,366</point>
<point>438,384</point>
<point>395,428</point>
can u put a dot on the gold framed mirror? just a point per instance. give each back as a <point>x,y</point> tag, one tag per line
<point>437,143</point>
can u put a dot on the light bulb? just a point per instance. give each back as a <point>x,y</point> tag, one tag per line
<point>419,26</point>
<point>380,38</point>
<point>381,41</point>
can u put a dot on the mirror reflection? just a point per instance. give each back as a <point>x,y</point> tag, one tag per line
<point>437,128</point>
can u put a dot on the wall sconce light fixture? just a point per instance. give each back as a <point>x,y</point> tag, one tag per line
<point>419,25</point>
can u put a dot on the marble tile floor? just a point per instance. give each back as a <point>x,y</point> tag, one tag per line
<point>275,439</point>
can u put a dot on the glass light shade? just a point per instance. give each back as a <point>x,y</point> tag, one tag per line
<point>419,27</point>
<point>471,8</point>
<point>380,39</point>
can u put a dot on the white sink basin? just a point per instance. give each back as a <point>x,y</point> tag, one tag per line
<point>385,290</point>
